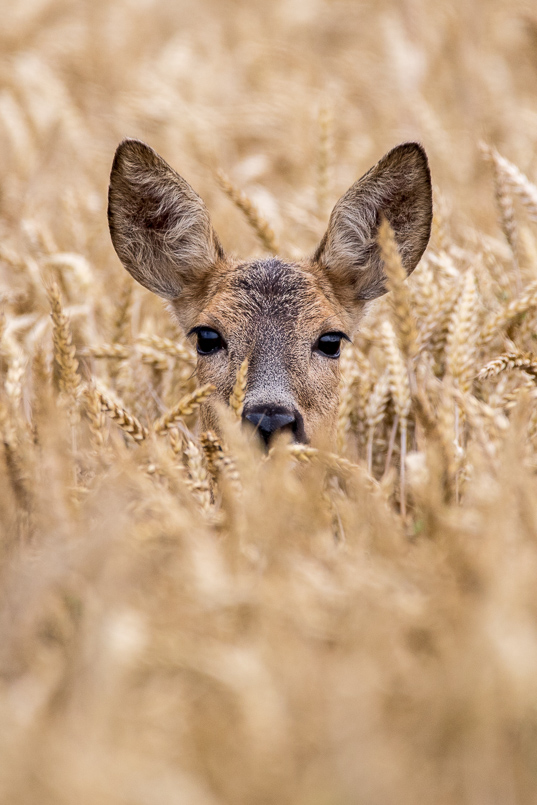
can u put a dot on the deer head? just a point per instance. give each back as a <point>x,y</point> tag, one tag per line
<point>288,318</point>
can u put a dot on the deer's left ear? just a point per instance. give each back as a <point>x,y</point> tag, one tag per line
<point>397,188</point>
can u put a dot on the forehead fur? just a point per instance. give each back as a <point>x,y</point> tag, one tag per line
<point>272,288</point>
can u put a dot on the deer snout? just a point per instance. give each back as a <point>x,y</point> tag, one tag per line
<point>268,420</point>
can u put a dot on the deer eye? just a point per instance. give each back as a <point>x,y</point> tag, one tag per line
<point>329,344</point>
<point>209,341</point>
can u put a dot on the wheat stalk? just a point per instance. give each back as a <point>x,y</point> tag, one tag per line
<point>258,223</point>
<point>324,159</point>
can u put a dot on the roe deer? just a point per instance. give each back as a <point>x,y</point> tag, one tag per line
<point>288,318</point>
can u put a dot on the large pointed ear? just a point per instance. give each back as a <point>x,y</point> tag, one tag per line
<point>397,188</point>
<point>160,227</point>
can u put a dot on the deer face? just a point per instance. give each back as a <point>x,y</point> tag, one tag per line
<point>288,319</point>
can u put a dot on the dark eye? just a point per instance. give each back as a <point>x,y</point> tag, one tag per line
<point>209,341</point>
<point>329,344</point>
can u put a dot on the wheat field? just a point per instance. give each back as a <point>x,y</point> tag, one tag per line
<point>182,619</point>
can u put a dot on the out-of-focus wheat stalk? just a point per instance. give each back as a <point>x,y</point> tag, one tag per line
<point>325,159</point>
<point>258,223</point>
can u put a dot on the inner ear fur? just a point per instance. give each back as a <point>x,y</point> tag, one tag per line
<point>397,188</point>
<point>159,226</point>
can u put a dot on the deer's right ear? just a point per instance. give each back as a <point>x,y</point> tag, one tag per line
<point>397,188</point>
<point>160,227</point>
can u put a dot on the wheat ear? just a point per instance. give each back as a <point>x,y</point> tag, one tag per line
<point>213,449</point>
<point>400,390</point>
<point>462,335</point>
<point>511,360</point>
<point>258,223</point>
<point>172,348</point>
<point>95,414</point>
<point>15,462</point>
<point>374,412</point>
<point>220,461</point>
<point>400,297</point>
<point>504,201</point>
<point>15,372</point>
<point>364,384</point>
<point>121,328</point>
<point>186,406</point>
<point>236,400</point>
<point>66,364</point>
<point>116,351</point>
<point>508,314</point>
<point>342,466</point>
<point>198,481</point>
<point>513,176</point>
<point>126,421</point>
<point>349,376</point>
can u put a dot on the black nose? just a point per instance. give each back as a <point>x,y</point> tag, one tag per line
<point>268,419</point>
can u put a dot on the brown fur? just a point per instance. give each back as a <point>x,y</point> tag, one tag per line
<point>270,311</point>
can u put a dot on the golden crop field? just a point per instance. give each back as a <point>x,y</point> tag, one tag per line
<point>182,619</point>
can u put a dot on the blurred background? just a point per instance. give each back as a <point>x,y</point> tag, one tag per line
<point>253,88</point>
